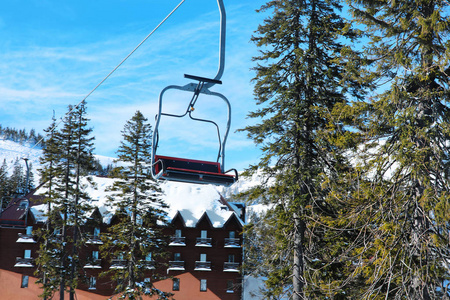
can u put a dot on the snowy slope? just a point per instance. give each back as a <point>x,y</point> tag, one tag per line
<point>10,151</point>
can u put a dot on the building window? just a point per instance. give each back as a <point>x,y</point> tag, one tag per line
<point>25,279</point>
<point>204,234</point>
<point>230,257</point>
<point>230,284</point>
<point>92,283</point>
<point>96,232</point>
<point>177,256</point>
<point>27,254</point>
<point>148,257</point>
<point>202,285</point>
<point>176,284</point>
<point>23,204</point>
<point>202,257</point>
<point>29,230</point>
<point>178,233</point>
<point>147,285</point>
<point>232,234</point>
<point>94,254</point>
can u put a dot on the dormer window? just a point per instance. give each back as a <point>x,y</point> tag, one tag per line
<point>23,204</point>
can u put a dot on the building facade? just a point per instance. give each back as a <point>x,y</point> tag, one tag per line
<point>205,252</point>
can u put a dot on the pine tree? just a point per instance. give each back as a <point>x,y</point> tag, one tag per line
<point>136,236</point>
<point>50,250</point>
<point>4,191</point>
<point>404,200</point>
<point>300,79</point>
<point>67,157</point>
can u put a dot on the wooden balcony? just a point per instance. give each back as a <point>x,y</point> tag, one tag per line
<point>26,238</point>
<point>118,264</point>
<point>231,267</point>
<point>24,262</point>
<point>232,243</point>
<point>93,264</point>
<point>93,239</point>
<point>176,265</point>
<point>204,242</point>
<point>177,241</point>
<point>202,266</point>
<point>149,264</point>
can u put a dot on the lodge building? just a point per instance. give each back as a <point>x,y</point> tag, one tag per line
<point>205,251</point>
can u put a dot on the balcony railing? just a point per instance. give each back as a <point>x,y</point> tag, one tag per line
<point>149,264</point>
<point>232,243</point>
<point>231,267</point>
<point>24,262</point>
<point>203,266</point>
<point>177,241</point>
<point>93,264</point>
<point>118,264</point>
<point>25,238</point>
<point>176,265</point>
<point>93,239</point>
<point>204,242</point>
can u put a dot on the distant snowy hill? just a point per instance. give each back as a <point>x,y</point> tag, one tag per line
<point>11,151</point>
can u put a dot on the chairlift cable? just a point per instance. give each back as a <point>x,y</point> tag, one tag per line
<point>27,153</point>
<point>107,76</point>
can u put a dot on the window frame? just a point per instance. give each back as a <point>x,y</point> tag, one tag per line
<point>203,285</point>
<point>24,282</point>
<point>175,284</point>
<point>203,257</point>
<point>177,256</point>
<point>29,230</point>
<point>230,286</point>
<point>92,283</point>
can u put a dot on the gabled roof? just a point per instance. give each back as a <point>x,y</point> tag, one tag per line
<point>15,210</point>
<point>191,203</point>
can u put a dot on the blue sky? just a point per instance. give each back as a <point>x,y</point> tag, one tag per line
<point>53,53</point>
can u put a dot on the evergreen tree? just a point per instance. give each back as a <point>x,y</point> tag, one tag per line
<point>17,181</point>
<point>50,251</point>
<point>4,191</point>
<point>135,236</point>
<point>403,204</point>
<point>300,79</point>
<point>83,159</point>
<point>67,157</point>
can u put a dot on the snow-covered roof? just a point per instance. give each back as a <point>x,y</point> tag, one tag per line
<point>191,201</point>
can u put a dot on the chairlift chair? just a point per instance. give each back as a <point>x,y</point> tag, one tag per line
<point>190,170</point>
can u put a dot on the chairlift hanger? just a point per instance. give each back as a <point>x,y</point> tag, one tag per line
<point>189,170</point>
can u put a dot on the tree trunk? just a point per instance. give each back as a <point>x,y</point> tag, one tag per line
<point>298,281</point>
